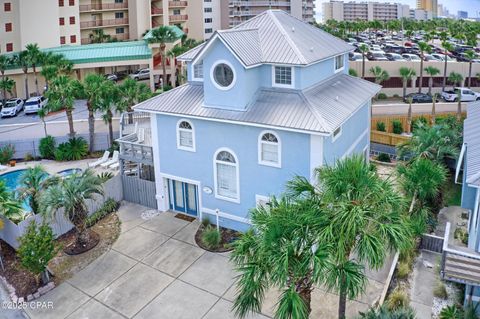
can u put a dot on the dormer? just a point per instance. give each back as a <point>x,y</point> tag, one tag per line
<point>272,50</point>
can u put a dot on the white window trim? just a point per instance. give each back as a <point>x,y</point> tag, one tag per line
<point>335,137</point>
<point>274,84</point>
<point>335,64</point>
<point>212,78</point>
<point>259,198</point>
<point>193,73</point>
<point>215,181</point>
<point>260,142</point>
<point>178,129</point>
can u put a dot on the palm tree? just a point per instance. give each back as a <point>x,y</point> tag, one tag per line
<point>62,94</point>
<point>434,143</point>
<point>362,218</point>
<point>281,250</point>
<point>53,65</point>
<point>6,85</point>
<point>5,63</point>
<point>163,35</point>
<point>470,55</point>
<point>363,48</point>
<point>108,102</point>
<point>34,57</point>
<point>379,74</point>
<point>423,47</point>
<point>406,74</point>
<point>457,79</point>
<point>9,208</point>
<point>71,194</point>
<point>92,86</point>
<point>409,116</point>
<point>42,113</point>
<point>174,53</point>
<point>32,182</point>
<point>434,101</point>
<point>22,60</point>
<point>133,93</point>
<point>447,46</point>
<point>431,71</point>
<point>99,36</point>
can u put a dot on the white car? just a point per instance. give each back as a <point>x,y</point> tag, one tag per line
<point>142,74</point>
<point>466,95</point>
<point>34,104</point>
<point>12,107</point>
<point>441,57</point>
<point>411,57</point>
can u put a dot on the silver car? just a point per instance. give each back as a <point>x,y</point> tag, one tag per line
<point>142,74</point>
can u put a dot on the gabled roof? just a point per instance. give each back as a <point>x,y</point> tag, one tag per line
<point>320,109</point>
<point>278,38</point>
<point>471,136</point>
<point>190,54</point>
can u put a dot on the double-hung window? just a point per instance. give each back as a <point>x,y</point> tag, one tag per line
<point>269,149</point>
<point>226,176</point>
<point>185,136</point>
<point>339,63</point>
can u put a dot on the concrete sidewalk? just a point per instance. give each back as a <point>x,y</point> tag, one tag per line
<point>423,282</point>
<point>155,270</point>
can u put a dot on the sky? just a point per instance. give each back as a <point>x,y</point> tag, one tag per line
<point>471,6</point>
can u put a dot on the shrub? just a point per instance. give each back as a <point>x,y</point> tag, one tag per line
<point>75,149</point>
<point>28,157</point>
<point>461,234</point>
<point>403,270</point>
<point>440,291</point>
<point>398,299</point>
<point>205,221</point>
<point>381,96</point>
<point>211,237</point>
<point>383,313</point>
<point>397,127</point>
<point>47,147</point>
<point>352,72</point>
<point>418,122</point>
<point>381,127</point>
<point>396,96</point>
<point>6,153</point>
<point>105,176</point>
<point>383,157</point>
<point>36,249</point>
<point>451,312</point>
<point>108,207</point>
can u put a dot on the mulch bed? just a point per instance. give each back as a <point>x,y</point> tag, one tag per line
<point>74,249</point>
<point>228,237</point>
<point>63,266</point>
<point>22,280</point>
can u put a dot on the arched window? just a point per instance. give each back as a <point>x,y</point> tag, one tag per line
<point>185,136</point>
<point>269,149</point>
<point>226,175</point>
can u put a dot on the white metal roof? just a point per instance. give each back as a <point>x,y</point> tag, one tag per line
<point>320,109</point>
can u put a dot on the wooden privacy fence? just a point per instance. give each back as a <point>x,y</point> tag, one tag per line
<point>387,138</point>
<point>139,191</point>
<point>432,243</point>
<point>60,225</point>
<point>388,120</point>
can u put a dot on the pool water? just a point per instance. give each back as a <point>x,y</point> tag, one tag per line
<point>69,171</point>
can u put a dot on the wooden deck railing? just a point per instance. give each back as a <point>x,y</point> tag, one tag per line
<point>387,138</point>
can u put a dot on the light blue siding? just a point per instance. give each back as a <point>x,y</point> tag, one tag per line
<point>352,130</point>
<point>243,141</point>
<point>310,75</point>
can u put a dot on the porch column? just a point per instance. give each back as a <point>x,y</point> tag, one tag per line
<point>161,188</point>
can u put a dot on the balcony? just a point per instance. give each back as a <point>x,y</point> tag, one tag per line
<point>177,4</point>
<point>119,37</point>
<point>178,18</point>
<point>103,23</point>
<point>135,141</point>
<point>103,6</point>
<point>156,11</point>
<point>259,3</point>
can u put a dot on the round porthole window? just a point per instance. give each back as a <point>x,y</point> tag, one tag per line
<point>223,75</point>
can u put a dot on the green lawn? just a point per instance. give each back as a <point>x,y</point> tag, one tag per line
<point>453,194</point>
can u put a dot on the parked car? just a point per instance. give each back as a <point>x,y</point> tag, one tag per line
<point>411,57</point>
<point>441,57</point>
<point>394,49</point>
<point>12,107</point>
<point>376,56</point>
<point>466,95</point>
<point>419,98</point>
<point>431,58</point>
<point>394,57</point>
<point>355,56</point>
<point>142,74</point>
<point>34,104</point>
<point>111,77</point>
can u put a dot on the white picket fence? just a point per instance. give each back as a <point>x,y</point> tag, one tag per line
<point>60,225</point>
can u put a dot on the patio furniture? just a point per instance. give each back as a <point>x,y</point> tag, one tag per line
<point>114,166</point>
<point>113,160</point>
<point>101,160</point>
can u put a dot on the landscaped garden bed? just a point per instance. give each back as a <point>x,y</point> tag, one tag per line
<point>211,239</point>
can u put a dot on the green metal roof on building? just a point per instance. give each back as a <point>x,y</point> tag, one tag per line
<point>104,52</point>
<point>178,32</point>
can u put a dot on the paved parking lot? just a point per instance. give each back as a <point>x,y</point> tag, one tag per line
<point>155,270</point>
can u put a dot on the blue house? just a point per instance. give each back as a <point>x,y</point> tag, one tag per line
<point>265,101</point>
<point>462,264</point>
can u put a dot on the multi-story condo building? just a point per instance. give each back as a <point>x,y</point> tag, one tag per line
<point>428,5</point>
<point>365,11</point>
<point>420,14</point>
<point>241,11</point>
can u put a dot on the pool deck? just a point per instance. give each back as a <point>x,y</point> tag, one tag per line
<point>53,167</point>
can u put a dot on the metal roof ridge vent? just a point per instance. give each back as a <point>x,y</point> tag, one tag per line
<point>293,29</point>
<point>336,98</point>
<point>311,49</point>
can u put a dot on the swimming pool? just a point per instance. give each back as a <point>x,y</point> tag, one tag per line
<point>69,171</point>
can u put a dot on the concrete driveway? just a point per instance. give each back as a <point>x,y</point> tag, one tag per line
<point>155,270</point>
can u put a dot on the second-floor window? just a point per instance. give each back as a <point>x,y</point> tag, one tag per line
<point>283,76</point>
<point>73,39</point>
<point>269,149</point>
<point>7,7</point>
<point>8,27</point>
<point>72,20</point>
<point>339,62</point>
<point>198,71</point>
<point>61,21</point>
<point>9,47</point>
<point>185,136</point>
<point>61,3</point>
